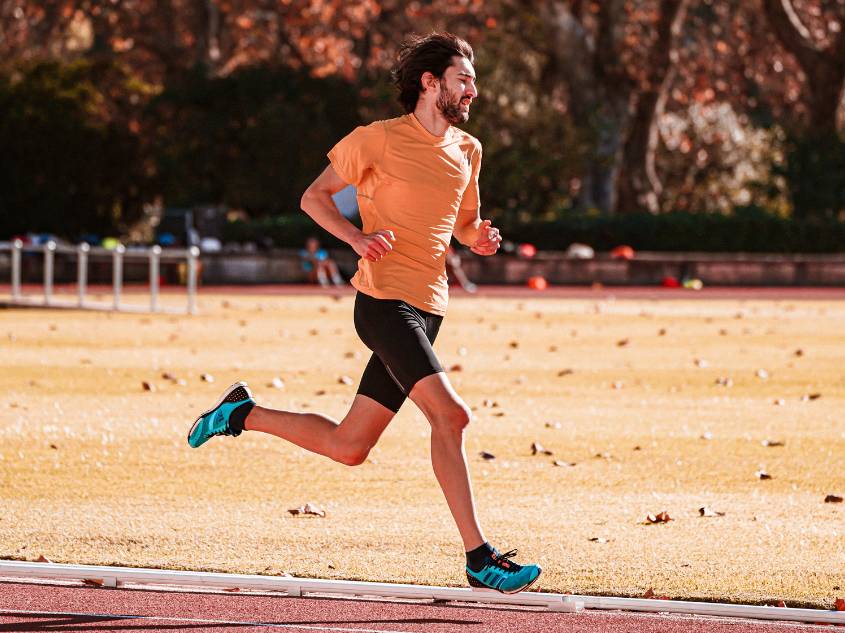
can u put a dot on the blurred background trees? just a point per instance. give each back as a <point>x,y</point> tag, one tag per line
<point>588,109</point>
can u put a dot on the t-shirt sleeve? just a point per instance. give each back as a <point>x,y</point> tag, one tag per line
<point>357,152</point>
<point>472,197</point>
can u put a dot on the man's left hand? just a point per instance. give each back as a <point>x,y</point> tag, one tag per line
<point>488,241</point>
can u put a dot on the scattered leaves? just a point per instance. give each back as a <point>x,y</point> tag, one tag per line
<point>456,367</point>
<point>490,404</point>
<point>762,474</point>
<point>565,372</point>
<point>701,363</point>
<point>779,402</point>
<point>706,511</point>
<point>563,464</point>
<point>148,386</point>
<point>345,380</point>
<point>92,582</point>
<point>833,499</point>
<point>772,443</point>
<point>206,377</point>
<point>810,396</point>
<point>514,344</point>
<point>43,559</point>
<point>486,456</point>
<point>762,374</point>
<point>662,517</point>
<point>553,425</point>
<point>650,594</point>
<point>599,539</point>
<point>707,435</point>
<point>536,448</point>
<point>798,352</point>
<point>622,342</point>
<point>276,383</point>
<point>309,509</point>
<point>724,381</point>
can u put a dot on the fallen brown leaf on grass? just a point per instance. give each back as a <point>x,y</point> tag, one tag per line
<point>705,511</point>
<point>92,582</point>
<point>276,383</point>
<point>553,425</point>
<point>513,344</point>
<point>663,517</point>
<point>54,447</point>
<point>661,332</point>
<point>622,342</point>
<point>491,404</point>
<point>617,384</point>
<point>810,396</point>
<point>650,594</point>
<point>723,381</point>
<point>833,499</point>
<point>552,348</point>
<point>43,559</point>
<point>565,372</point>
<point>563,464</point>
<point>309,509</point>
<point>772,443</point>
<point>701,363</point>
<point>486,455</point>
<point>206,377</point>
<point>798,352</point>
<point>781,604</point>
<point>345,380</point>
<point>456,367</point>
<point>599,539</point>
<point>536,447</point>
<point>762,474</point>
<point>166,375</point>
<point>707,435</point>
<point>779,402</point>
<point>148,386</point>
<point>762,374</point>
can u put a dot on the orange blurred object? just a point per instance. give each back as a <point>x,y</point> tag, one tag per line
<point>622,252</point>
<point>670,282</point>
<point>526,250</point>
<point>538,283</point>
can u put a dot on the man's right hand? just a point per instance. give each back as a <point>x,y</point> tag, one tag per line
<point>374,246</point>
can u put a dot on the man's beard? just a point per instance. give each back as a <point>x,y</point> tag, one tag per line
<point>451,110</point>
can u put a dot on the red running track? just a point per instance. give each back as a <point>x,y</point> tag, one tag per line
<point>46,607</point>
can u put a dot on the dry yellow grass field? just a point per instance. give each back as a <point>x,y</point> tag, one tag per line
<point>95,469</point>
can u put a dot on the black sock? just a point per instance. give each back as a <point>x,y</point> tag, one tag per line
<point>238,417</point>
<point>476,558</point>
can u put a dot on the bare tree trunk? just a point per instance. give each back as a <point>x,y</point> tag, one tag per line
<point>599,91</point>
<point>824,68</point>
<point>639,185</point>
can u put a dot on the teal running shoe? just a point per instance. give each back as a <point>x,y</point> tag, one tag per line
<point>215,421</point>
<point>502,574</point>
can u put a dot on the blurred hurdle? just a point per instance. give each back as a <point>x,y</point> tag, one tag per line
<point>84,253</point>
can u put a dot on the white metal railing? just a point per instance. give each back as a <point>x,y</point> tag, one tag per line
<point>84,253</point>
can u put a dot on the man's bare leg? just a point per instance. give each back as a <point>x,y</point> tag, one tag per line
<point>348,441</point>
<point>448,416</point>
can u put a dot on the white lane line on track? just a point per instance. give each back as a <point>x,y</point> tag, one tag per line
<point>117,616</point>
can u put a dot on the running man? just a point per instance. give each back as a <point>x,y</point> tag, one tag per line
<point>417,182</point>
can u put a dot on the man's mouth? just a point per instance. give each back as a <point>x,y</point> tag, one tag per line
<point>465,102</point>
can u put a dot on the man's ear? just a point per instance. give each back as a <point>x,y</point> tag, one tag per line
<point>428,80</point>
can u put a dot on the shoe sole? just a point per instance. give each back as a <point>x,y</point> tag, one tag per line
<point>220,401</point>
<point>482,587</point>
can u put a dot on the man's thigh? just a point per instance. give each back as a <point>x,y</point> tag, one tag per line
<point>437,399</point>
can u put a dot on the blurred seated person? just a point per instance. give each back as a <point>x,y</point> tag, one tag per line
<point>454,270</point>
<point>318,265</point>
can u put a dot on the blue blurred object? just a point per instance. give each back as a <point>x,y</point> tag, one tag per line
<point>347,201</point>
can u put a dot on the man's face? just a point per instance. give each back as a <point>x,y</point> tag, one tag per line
<point>457,90</point>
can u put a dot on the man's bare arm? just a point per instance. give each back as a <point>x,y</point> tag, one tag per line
<point>317,202</point>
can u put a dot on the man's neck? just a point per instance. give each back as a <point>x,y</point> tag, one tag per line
<point>431,119</point>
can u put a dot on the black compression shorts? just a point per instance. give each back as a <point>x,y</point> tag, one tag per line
<point>400,337</point>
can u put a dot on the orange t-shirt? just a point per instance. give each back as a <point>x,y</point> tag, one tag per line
<point>417,185</point>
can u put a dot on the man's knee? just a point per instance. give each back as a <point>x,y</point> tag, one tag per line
<point>454,418</point>
<point>353,454</point>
